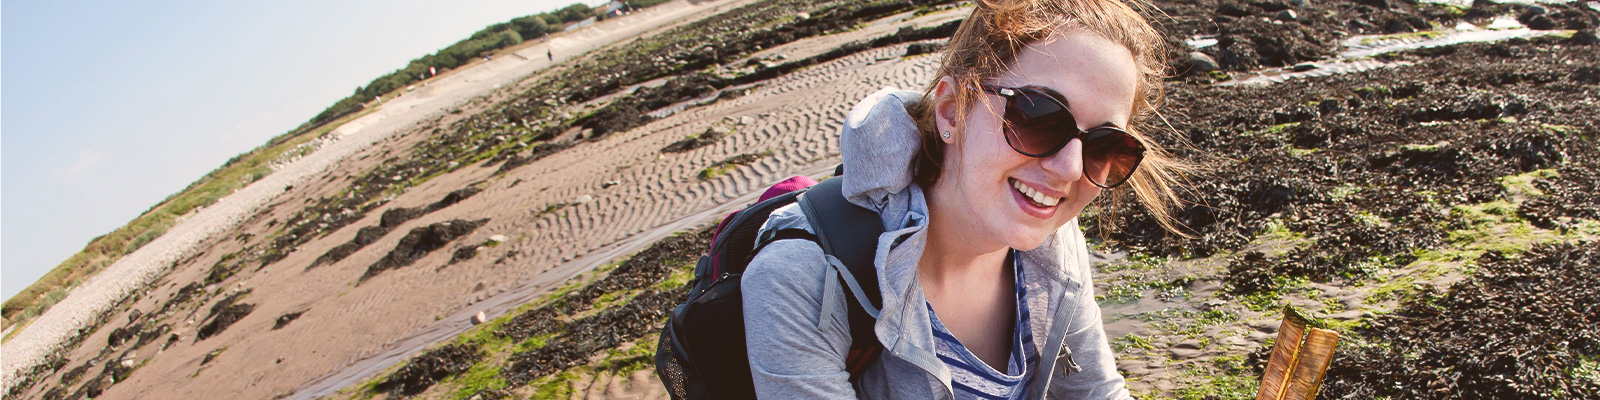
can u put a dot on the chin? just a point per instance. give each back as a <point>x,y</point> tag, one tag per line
<point>1029,239</point>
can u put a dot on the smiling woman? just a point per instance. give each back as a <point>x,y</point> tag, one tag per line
<point>979,182</point>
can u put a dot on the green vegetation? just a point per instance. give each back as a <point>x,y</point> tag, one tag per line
<point>1132,341</point>
<point>558,386</point>
<point>680,277</point>
<point>1521,185</point>
<point>1118,293</point>
<point>616,298</point>
<point>1272,299</point>
<point>724,166</point>
<point>1186,323</point>
<point>1276,229</point>
<point>1134,261</point>
<point>1228,378</point>
<point>624,362</point>
<point>1471,231</point>
<point>714,171</point>
<point>1272,131</point>
<point>1588,369</point>
<point>484,42</point>
<point>482,376</point>
<point>1123,292</point>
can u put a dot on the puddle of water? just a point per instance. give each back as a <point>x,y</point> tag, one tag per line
<point>1358,49</point>
<point>1201,41</point>
<point>1120,318</point>
<point>1505,22</point>
<point>1323,69</point>
<point>1383,46</point>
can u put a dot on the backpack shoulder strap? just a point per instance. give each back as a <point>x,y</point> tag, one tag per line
<point>849,233</point>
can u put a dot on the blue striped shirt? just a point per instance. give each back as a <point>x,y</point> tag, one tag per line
<point>974,379</point>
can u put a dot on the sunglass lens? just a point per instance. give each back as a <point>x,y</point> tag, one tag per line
<point>1039,125</point>
<point>1110,156</point>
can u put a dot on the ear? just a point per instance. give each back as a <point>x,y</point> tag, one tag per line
<point>945,108</point>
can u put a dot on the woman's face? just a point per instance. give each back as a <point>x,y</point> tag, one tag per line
<point>1096,77</point>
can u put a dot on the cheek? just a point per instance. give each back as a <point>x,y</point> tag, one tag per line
<point>981,151</point>
<point>1082,195</point>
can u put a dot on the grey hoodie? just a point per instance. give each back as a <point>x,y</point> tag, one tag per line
<point>794,306</point>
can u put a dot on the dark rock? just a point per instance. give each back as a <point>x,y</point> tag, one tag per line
<point>429,368</point>
<point>1396,25</point>
<point>923,48</point>
<point>1233,10</point>
<point>211,356</point>
<point>399,215</point>
<point>122,335</point>
<point>1330,107</point>
<point>1542,22</point>
<point>223,319</point>
<point>1286,15</point>
<point>285,319</point>
<point>150,335</point>
<point>72,376</point>
<point>712,135</point>
<point>1271,5</point>
<point>1201,63</point>
<point>421,241</point>
<point>1585,38</point>
<point>464,253</point>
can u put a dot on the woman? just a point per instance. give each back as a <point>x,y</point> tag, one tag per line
<point>979,181</point>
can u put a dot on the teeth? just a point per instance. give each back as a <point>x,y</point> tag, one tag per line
<point>1047,201</point>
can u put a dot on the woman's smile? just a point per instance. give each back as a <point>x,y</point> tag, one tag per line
<point>1033,201</point>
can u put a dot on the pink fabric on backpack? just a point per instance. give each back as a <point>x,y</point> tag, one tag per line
<point>794,183</point>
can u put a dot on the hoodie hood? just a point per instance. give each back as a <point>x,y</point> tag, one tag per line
<point>877,155</point>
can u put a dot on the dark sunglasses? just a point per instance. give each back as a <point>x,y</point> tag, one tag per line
<point>1038,124</point>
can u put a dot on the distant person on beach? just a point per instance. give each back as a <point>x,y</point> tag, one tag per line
<point>552,56</point>
<point>979,181</point>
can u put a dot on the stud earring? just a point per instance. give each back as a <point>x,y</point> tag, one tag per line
<point>946,134</point>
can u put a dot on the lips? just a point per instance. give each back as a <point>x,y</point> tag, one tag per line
<point>1039,199</point>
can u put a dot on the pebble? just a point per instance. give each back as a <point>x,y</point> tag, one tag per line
<point>1202,62</point>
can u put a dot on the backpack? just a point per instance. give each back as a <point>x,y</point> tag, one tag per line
<point>701,353</point>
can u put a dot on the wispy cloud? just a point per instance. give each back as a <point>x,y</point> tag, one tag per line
<point>87,160</point>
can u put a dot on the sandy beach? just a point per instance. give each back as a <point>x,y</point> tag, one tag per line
<point>289,289</point>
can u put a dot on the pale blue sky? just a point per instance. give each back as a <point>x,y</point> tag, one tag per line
<point>107,107</point>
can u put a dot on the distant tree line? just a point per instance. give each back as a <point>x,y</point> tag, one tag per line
<point>481,43</point>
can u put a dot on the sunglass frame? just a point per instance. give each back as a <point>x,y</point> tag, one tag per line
<point>1012,93</point>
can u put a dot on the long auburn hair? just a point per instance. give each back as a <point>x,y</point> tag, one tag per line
<point>988,42</point>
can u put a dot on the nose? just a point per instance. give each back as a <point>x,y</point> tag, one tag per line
<point>1066,165</point>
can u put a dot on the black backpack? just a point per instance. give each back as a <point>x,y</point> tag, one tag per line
<point>702,353</point>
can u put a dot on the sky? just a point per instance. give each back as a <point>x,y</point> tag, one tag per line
<point>108,107</point>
